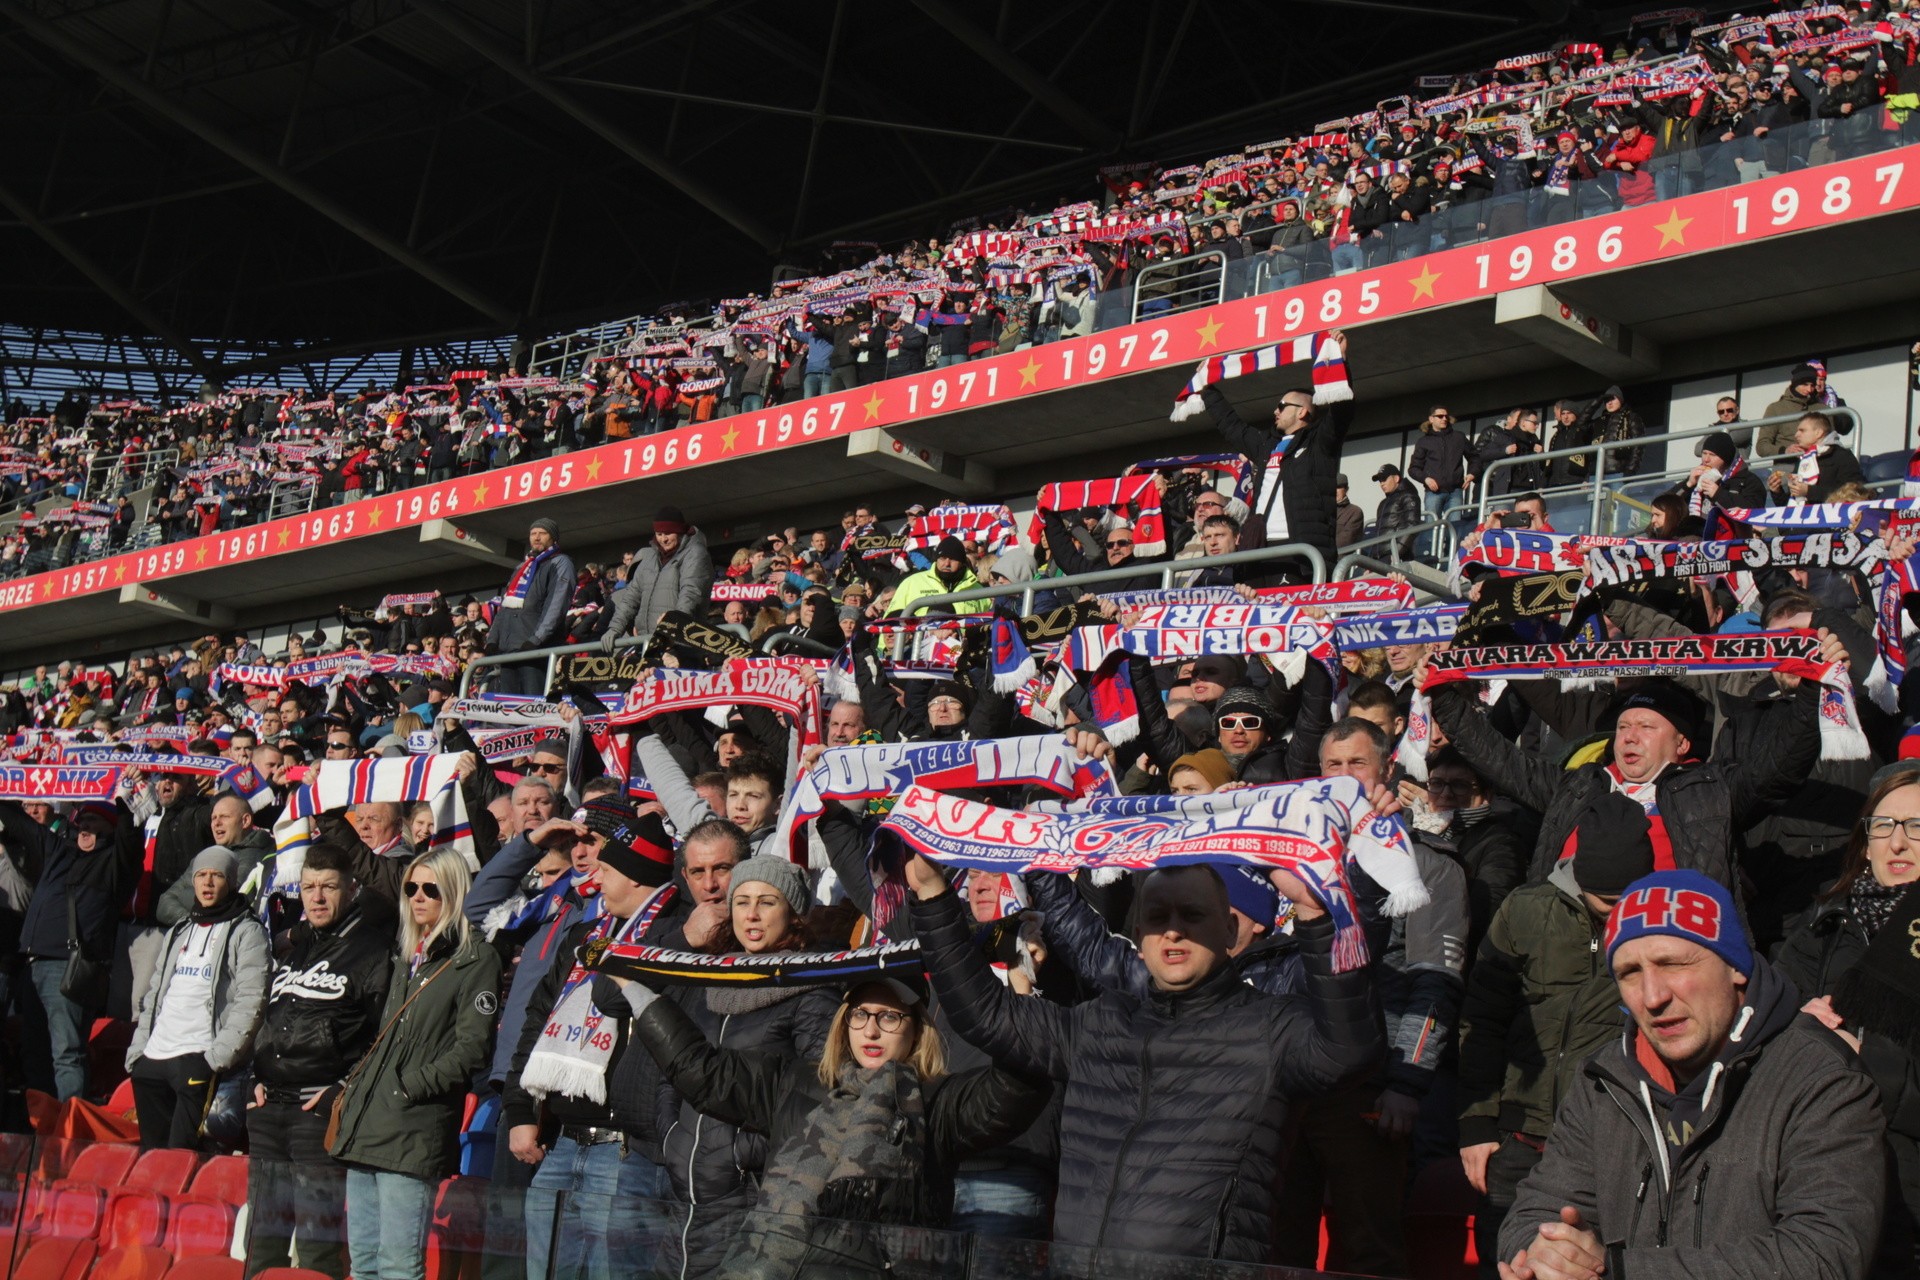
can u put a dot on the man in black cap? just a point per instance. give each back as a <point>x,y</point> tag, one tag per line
<point>1399,506</point>
<point>672,572</point>
<point>1723,477</point>
<point>531,611</point>
<point>949,572</point>
<point>1658,758</point>
<point>1539,999</point>
<point>579,1100</point>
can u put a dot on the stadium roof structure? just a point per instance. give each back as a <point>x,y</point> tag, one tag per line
<point>245,184</point>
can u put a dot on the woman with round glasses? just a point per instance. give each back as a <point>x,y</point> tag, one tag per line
<point>869,1135</point>
<point>399,1131</point>
<point>1823,954</point>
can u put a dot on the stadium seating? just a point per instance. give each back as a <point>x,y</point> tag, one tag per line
<point>131,1262</point>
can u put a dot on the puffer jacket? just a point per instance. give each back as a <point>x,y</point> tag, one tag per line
<point>1171,1125</point>
<point>323,1008</point>
<point>1400,509</point>
<point>776,1096</point>
<point>714,1164</point>
<point>1306,479</point>
<point>1784,1174</point>
<point>237,947</point>
<point>402,1112</point>
<point>652,589</point>
<point>1539,999</point>
<point>1703,803</point>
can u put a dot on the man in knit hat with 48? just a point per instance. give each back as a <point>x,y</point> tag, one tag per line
<point>1724,1134</point>
<point>531,610</point>
<point>674,571</point>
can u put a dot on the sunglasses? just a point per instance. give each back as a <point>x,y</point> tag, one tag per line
<point>1121,542</point>
<point>1242,722</point>
<point>1726,413</point>
<point>339,746</point>
<point>555,769</point>
<point>415,889</point>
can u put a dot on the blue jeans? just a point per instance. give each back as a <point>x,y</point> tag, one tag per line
<point>1010,1203</point>
<point>1347,258</point>
<point>958,358</point>
<point>594,1213</point>
<point>53,1034</point>
<point>387,1215</point>
<point>1435,505</point>
<point>814,384</point>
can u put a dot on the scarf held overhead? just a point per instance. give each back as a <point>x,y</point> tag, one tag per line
<point>774,683</point>
<point>338,784</point>
<point>1137,493</point>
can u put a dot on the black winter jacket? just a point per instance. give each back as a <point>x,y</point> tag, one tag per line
<point>1440,456</point>
<point>58,870</point>
<point>323,1008</point>
<point>1175,1104</point>
<point>1703,803</point>
<point>774,1095</point>
<point>1400,509</point>
<point>714,1164</point>
<point>1307,475</point>
<point>185,829</point>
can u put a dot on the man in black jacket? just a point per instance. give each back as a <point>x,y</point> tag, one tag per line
<point>1176,1102</point>
<point>1399,507</point>
<point>581,1101</point>
<point>1439,467</point>
<point>330,974</point>
<point>1723,477</point>
<point>1298,460</point>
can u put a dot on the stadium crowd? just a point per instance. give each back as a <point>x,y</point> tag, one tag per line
<point>804,906</point>
<point>1571,131</point>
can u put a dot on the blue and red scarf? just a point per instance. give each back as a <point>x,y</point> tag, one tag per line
<point>515,596</point>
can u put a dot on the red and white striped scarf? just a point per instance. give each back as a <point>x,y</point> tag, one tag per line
<point>1138,494</point>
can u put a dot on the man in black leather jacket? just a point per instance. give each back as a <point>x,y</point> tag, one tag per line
<point>330,976</point>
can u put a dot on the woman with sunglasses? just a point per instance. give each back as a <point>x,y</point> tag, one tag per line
<point>400,1113</point>
<point>868,1136</point>
<point>1835,955</point>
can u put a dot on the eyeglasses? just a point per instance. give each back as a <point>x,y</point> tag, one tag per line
<point>417,889</point>
<point>555,769</point>
<point>949,702</point>
<point>889,1019</point>
<point>1242,722</point>
<point>1121,542</point>
<point>1204,503</point>
<point>1881,828</point>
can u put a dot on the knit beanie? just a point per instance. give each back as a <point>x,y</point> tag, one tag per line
<point>547,523</point>
<point>1720,445</point>
<point>1211,764</point>
<point>1242,700</point>
<point>1681,904</point>
<point>767,869</point>
<point>951,689</point>
<point>638,847</point>
<point>216,857</point>
<point>669,520</point>
<point>951,548</point>
<point>1670,702</point>
<point>1251,894</point>
<point>1611,845</point>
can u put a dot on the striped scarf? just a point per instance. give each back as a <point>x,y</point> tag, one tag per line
<point>1137,493</point>
<point>337,784</point>
<point>515,596</point>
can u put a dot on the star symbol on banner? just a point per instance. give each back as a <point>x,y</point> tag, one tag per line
<point>872,405</point>
<point>280,539</point>
<point>1673,230</point>
<point>728,436</point>
<point>1029,373</point>
<point>593,469</point>
<point>1424,282</point>
<point>1209,332</point>
<point>199,555</point>
<point>119,573</point>
<point>480,493</point>
<point>373,518</point>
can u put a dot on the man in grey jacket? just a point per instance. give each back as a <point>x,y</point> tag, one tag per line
<point>1724,1134</point>
<point>531,611</point>
<point>674,571</point>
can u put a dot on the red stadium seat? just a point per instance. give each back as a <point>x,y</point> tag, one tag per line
<point>131,1262</point>
<point>135,1218</point>
<point>102,1164</point>
<point>291,1273</point>
<point>107,1055</point>
<point>457,1237</point>
<point>222,1179</point>
<point>207,1268</point>
<point>122,1099</point>
<point>196,1228</point>
<point>53,1259</point>
<point>164,1170</point>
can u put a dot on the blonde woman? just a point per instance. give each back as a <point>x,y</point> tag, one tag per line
<point>400,1115</point>
<point>868,1136</point>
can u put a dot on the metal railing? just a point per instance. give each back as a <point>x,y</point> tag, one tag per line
<point>1600,448</point>
<point>1186,289</point>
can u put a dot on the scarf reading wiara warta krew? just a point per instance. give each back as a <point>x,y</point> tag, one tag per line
<point>1337,599</point>
<point>573,1052</point>
<point>338,784</point>
<point>1138,494</point>
<point>774,683</point>
<point>1311,828</point>
<point>1792,653</point>
<point>851,774</point>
